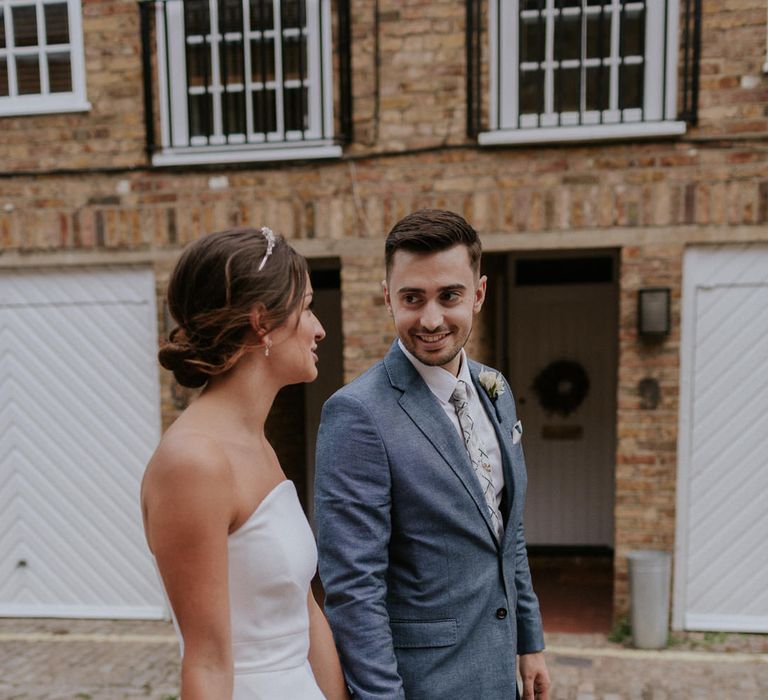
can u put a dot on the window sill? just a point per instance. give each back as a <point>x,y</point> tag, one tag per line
<point>43,106</point>
<point>601,132</point>
<point>243,154</point>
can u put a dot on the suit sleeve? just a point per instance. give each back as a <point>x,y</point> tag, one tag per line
<point>352,515</point>
<point>530,633</point>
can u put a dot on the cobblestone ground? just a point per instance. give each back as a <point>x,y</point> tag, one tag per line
<point>102,660</point>
<point>87,660</point>
<point>696,667</point>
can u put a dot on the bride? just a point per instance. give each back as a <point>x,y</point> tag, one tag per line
<point>234,550</point>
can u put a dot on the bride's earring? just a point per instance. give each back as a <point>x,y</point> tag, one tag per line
<point>267,346</point>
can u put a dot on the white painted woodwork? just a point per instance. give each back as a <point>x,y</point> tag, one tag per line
<point>79,418</point>
<point>45,102</point>
<point>659,59</point>
<point>182,148</point>
<point>570,482</point>
<point>721,568</point>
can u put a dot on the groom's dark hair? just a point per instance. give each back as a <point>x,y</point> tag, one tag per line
<point>432,231</point>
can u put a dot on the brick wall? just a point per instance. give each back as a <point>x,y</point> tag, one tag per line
<point>111,134</point>
<point>504,191</point>
<point>646,449</point>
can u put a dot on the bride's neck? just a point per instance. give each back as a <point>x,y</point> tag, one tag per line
<point>245,393</point>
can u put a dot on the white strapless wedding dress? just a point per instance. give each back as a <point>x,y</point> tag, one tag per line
<point>272,559</point>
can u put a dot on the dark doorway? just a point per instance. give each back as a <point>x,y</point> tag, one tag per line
<point>292,424</point>
<point>555,336</point>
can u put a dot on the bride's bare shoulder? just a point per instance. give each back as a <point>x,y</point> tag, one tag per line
<point>187,492</point>
<point>186,457</point>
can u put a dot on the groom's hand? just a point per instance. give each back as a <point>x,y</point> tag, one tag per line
<point>533,671</point>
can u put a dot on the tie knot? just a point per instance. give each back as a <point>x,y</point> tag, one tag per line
<point>459,394</point>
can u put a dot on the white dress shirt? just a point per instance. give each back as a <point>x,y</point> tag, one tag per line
<point>442,384</point>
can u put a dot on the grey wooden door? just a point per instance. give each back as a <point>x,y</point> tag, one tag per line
<point>571,459</point>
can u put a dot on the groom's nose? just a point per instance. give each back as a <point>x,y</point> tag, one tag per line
<point>431,316</point>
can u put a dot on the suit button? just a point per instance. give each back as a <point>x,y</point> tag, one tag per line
<point>501,613</point>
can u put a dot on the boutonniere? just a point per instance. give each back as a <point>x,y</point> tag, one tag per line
<point>493,383</point>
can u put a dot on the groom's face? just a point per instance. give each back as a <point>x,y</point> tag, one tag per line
<point>433,298</point>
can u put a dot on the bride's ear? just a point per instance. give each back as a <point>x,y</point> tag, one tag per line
<point>256,321</point>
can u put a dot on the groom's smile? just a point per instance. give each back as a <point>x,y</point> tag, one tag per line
<point>433,298</point>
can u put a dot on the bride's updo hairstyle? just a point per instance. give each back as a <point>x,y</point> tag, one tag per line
<point>219,280</point>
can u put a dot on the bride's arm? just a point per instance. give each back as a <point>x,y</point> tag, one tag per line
<point>188,505</point>
<point>323,656</point>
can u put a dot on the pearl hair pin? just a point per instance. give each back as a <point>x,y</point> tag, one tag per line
<point>270,245</point>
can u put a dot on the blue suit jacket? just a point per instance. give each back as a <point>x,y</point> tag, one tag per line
<point>423,601</point>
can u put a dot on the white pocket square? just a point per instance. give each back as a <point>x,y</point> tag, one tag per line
<point>517,432</point>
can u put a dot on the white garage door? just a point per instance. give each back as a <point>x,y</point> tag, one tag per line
<point>722,533</point>
<point>79,417</point>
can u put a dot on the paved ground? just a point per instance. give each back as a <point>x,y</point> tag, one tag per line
<point>98,660</point>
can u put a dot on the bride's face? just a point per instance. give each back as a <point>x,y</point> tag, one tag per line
<point>293,354</point>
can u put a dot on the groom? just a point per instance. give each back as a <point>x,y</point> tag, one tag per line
<point>420,489</point>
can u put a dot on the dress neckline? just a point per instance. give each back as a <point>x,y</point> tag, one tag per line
<point>261,505</point>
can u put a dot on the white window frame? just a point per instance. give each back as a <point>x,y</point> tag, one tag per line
<point>251,146</point>
<point>658,116</point>
<point>44,103</point>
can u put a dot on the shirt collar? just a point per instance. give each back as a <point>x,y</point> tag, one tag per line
<point>440,381</point>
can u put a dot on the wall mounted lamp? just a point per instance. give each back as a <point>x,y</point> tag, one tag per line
<point>653,312</point>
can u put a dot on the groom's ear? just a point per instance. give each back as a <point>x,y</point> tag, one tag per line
<point>387,299</point>
<point>480,294</point>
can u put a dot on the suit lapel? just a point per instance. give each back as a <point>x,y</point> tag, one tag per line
<point>505,442</point>
<point>425,411</point>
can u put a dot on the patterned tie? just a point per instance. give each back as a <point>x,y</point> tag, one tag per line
<point>477,455</point>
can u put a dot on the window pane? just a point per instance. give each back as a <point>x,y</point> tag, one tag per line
<point>56,24</point>
<point>234,112</point>
<point>231,16</point>
<point>264,111</point>
<point>262,61</point>
<point>567,37</point>
<point>293,13</point>
<point>633,34</point>
<point>60,72</point>
<point>196,17</point>
<point>2,28</point>
<point>294,58</point>
<point>199,115</point>
<point>295,109</point>
<point>599,35</point>
<point>531,91</point>
<point>630,86</point>
<point>28,75</point>
<point>262,17</point>
<point>597,89</point>
<point>567,88</point>
<point>3,78</point>
<point>24,25</point>
<point>198,66</point>
<point>232,63</point>
<point>531,39</point>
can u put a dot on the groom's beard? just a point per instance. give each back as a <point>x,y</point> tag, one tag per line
<point>443,354</point>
